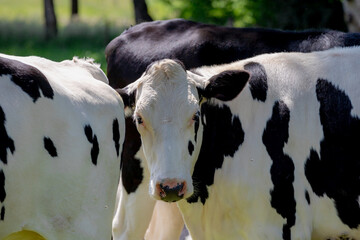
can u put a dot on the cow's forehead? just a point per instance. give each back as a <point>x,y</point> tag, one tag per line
<point>165,71</point>
<point>166,89</point>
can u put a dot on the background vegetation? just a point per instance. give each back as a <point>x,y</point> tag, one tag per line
<point>290,14</point>
<point>99,21</point>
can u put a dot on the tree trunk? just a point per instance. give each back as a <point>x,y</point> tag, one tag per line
<point>50,19</point>
<point>141,11</point>
<point>352,14</point>
<point>74,9</point>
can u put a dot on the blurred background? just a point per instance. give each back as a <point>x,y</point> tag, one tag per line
<point>61,29</point>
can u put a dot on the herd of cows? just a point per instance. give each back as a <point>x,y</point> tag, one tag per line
<point>238,133</point>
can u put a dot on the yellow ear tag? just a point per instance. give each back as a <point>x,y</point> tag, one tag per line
<point>24,235</point>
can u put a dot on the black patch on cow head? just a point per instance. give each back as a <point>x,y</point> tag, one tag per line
<point>191,147</point>
<point>6,141</point>
<point>196,124</point>
<point>258,81</point>
<point>92,139</point>
<point>225,86</point>
<point>307,197</point>
<point>27,77</point>
<point>128,98</point>
<point>222,136</point>
<point>275,136</point>
<point>116,136</point>
<point>131,170</point>
<point>2,213</point>
<point>335,172</point>
<point>50,147</point>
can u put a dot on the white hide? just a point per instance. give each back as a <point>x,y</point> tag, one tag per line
<point>154,215</point>
<point>166,135</point>
<point>131,207</point>
<point>63,197</point>
<point>139,216</point>
<point>171,220</point>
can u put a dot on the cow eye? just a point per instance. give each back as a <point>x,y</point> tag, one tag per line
<point>139,120</point>
<point>196,116</point>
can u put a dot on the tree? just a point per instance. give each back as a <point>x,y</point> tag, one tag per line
<point>50,19</point>
<point>74,9</point>
<point>141,11</point>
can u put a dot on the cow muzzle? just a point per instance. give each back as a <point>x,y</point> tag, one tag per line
<point>171,190</point>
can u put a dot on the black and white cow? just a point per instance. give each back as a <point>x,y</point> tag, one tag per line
<point>264,148</point>
<point>61,135</point>
<point>195,44</point>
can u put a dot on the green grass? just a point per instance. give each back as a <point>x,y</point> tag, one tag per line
<point>94,11</point>
<point>22,30</point>
<point>78,39</point>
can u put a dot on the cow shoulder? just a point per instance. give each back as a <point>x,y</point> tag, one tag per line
<point>32,81</point>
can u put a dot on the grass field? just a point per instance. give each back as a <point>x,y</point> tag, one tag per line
<point>22,30</point>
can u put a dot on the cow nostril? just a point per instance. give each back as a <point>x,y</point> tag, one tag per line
<point>171,194</point>
<point>178,188</point>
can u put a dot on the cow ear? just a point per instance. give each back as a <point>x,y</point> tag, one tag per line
<point>128,98</point>
<point>226,85</point>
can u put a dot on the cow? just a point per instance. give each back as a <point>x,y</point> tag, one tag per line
<point>198,44</point>
<point>195,44</point>
<point>61,134</point>
<point>263,148</point>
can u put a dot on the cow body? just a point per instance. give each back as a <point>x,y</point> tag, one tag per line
<point>279,156</point>
<point>195,44</point>
<point>198,44</point>
<point>61,131</point>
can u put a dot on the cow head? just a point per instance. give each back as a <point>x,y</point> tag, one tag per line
<point>165,104</point>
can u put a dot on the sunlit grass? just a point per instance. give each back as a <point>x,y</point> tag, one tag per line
<point>20,9</point>
<point>78,39</point>
<point>99,21</point>
<point>119,12</point>
<point>95,11</point>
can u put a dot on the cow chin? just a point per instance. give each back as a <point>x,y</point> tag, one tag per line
<point>170,189</point>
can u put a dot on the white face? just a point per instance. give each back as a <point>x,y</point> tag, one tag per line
<point>167,115</point>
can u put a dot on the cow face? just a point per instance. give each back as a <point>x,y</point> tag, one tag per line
<point>165,104</point>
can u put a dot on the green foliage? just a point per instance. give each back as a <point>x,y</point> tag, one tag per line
<point>298,14</point>
<point>213,11</point>
<point>290,14</point>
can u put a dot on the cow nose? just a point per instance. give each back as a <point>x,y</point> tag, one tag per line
<point>171,192</point>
